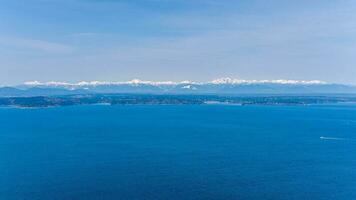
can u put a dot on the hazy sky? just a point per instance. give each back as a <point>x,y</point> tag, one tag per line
<point>74,40</point>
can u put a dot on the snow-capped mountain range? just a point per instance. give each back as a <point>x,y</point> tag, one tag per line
<point>158,83</point>
<point>223,86</point>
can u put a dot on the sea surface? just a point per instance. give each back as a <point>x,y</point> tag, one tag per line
<point>178,152</point>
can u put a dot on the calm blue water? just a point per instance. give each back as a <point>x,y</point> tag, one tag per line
<point>178,152</point>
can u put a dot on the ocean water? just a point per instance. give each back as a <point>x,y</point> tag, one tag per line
<point>178,152</point>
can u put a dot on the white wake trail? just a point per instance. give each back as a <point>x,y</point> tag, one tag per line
<point>335,138</point>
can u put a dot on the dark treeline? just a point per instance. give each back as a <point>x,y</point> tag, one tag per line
<point>115,99</point>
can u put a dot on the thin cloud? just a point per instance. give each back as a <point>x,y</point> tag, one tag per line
<point>84,34</point>
<point>39,45</point>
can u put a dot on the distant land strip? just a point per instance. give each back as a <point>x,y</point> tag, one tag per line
<point>148,99</point>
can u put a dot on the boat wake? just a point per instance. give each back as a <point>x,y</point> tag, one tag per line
<point>335,138</point>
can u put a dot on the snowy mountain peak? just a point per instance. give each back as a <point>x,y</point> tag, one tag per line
<point>278,81</point>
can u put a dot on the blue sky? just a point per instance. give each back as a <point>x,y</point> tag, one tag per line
<point>75,40</point>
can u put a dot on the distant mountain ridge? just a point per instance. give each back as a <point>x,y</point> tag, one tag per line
<point>224,86</point>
